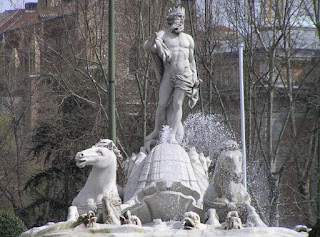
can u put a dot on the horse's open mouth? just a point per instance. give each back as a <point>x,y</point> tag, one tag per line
<point>81,163</point>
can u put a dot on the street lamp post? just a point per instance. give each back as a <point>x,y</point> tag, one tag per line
<point>112,113</point>
<point>242,115</point>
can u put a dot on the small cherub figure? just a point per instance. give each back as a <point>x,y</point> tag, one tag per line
<point>127,218</point>
<point>212,217</point>
<point>92,219</point>
<point>233,221</point>
<point>191,220</point>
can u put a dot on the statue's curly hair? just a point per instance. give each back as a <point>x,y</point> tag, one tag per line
<point>173,12</point>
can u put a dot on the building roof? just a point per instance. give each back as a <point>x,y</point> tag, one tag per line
<point>9,19</point>
<point>14,19</point>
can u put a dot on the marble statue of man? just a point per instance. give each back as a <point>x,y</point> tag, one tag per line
<point>173,60</point>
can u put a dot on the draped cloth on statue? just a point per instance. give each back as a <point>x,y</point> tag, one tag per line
<point>162,56</point>
<point>186,83</point>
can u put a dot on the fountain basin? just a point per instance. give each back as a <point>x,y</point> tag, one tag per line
<point>172,228</point>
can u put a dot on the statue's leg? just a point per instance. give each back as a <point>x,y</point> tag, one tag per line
<point>177,102</point>
<point>164,97</point>
<point>170,118</point>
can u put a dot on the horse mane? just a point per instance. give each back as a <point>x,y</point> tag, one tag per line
<point>109,144</point>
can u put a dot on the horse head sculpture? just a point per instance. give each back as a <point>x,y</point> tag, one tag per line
<point>102,179</point>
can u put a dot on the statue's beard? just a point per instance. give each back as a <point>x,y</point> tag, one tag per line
<point>177,27</point>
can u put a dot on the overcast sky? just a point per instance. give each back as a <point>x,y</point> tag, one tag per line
<point>13,4</point>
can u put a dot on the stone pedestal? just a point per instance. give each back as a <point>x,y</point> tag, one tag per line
<point>169,183</point>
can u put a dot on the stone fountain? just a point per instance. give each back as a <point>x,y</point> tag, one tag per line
<point>168,192</point>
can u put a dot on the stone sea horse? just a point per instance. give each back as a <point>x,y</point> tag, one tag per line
<point>101,184</point>
<point>226,191</point>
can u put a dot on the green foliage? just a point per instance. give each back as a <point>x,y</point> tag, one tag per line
<point>10,225</point>
<point>55,142</point>
<point>5,119</point>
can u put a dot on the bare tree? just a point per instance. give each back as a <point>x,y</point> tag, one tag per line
<point>280,121</point>
<point>16,166</point>
<point>277,131</point>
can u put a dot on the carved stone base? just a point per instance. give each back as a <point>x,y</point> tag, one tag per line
<point>159,202</point>
<point>165,184</point>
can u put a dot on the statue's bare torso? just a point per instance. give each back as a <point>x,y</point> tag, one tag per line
<point>179,46</point>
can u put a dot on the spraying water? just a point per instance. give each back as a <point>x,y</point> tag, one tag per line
<point>207,133</point>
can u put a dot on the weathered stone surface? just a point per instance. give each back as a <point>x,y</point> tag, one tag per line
<point>168,163</point>
<point>173,228</point>
<point>157,202</point>
<point>175,69</point>
<point>102,179</point>
<point>165,184</point>
<point>226,192</point>
<point>226,184</point>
